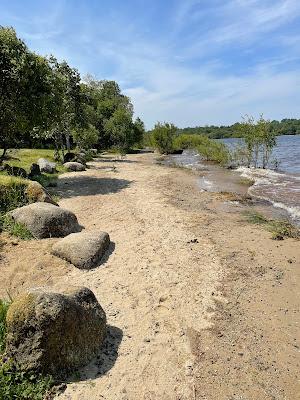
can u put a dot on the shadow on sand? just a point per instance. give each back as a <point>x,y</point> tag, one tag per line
<point>102,363</point>
<point>80,185</point>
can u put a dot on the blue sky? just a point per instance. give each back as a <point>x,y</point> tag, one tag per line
<point>191,62</point>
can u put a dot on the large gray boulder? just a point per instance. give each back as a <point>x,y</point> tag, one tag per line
<point>37,193</point>
<point>45,220</point>
<point>46,166</point>
<point>74,166</point>
<point>84,250</point>
<point>55,333</point>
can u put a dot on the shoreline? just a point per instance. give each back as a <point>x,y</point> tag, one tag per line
<point>259,184</point>
<point>207,303</point>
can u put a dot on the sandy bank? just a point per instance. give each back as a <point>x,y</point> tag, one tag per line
<point>200,304</point>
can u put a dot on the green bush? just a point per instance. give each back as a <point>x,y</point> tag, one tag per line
<point>209,149</point>
<point>163,137</point>
<point>214,151</point>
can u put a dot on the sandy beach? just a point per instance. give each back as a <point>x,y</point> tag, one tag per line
<point>200,303</point>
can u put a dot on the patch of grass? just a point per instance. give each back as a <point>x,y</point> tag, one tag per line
<point>23,158</point>
<point>12,193</point>
<point>279,229</point>
<point>14,228</point>
<point>246,181</point>
<point>3,311</point>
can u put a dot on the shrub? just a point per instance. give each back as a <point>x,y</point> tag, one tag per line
<point>163,137</point>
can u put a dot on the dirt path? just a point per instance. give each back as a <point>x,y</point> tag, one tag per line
<point>154,286</point>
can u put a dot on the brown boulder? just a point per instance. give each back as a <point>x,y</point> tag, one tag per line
<point>53,332</point>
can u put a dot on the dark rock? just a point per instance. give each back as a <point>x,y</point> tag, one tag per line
<point>15,171</point>
<point>46,220</point>
<point>69,157</point>
<point>34,171</point>
<point>84,250</point>
<point>55,333</point>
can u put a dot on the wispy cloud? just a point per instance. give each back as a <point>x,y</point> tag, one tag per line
<point>191,62</point>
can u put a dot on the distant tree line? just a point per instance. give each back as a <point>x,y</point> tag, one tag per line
<point>283,127</point>
<point>46,103</point>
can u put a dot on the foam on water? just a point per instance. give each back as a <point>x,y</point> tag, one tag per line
<point>281,189</point>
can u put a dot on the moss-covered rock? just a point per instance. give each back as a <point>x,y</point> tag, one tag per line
<point>45,220</point>
<point>36,192</point>
<point>55,333</point>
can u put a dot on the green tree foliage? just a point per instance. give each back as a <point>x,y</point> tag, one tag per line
<point>104,101</point>
<point>85,137</point>
<point>45,101</point>
<point>260,140</point>
<point>163,137</point>
<point>209,149</point>
<point>24,89</point>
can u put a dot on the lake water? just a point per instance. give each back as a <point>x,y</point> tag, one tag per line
<point>281,187</point>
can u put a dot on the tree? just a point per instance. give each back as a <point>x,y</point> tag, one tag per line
<point>86,137</point>
<point>260,140</point>
<point>66,107</point>
<point>121,130</point>
<point>103,99</point>
<point>24,90</point>
<point>163,136</point>
<point>138,131</point>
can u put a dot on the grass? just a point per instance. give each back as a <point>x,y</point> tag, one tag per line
<point>3,311</point>
<point>12,193</point>
<point>12,189</point>
<point>23,158</point>
<point>16,384</point>
<point>280,229</point>
<point>14,228</point>
<point>246,181</point>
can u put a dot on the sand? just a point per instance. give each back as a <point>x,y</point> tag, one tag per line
<point>200,304</point>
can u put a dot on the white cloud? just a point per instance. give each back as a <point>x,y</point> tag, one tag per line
<point>164,76</point>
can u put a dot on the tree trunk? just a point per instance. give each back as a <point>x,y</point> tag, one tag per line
<point>3,155</point>
<point>68,145</point>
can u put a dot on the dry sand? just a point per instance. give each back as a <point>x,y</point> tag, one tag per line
<point>200,304</point>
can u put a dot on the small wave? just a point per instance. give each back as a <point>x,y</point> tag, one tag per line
<point>280,189</point>
<point>293,211</point>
